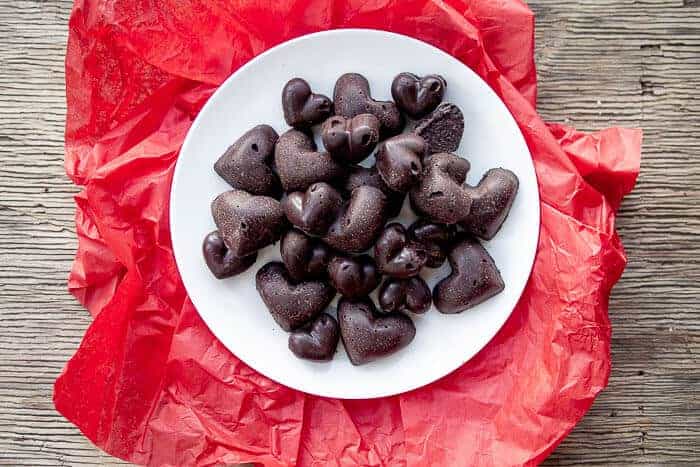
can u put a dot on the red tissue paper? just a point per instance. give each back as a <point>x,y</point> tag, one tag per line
<point>150,383</point>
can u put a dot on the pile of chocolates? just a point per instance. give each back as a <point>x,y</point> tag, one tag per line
<point>331,213</point>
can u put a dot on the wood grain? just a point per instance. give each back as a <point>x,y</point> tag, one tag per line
<point>601,63</point>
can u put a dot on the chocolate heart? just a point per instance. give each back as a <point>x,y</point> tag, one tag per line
<point>442,130</point>
<point>302,108</point>
<point>417,96</point>
<point>396,255</point>
<point>405,295</point>
<point>350,140</point>
<point>367,335</point>
<point>316,340</point>
<point>304,257</point>
<point>291,304</point>
<point>299,165</point>
<point>435,238</point>
<point>247,222</point>
<point>399,161</point>
<point>359,176</point>
<point>441,195</point>
<point>222,263</point>
<point>355,230</point>
<point>353,277</point>
<point>314,210</point>
<point>492,199</point>
<point>474,278</point>
<point>352,97</point>
<point>247,164</point>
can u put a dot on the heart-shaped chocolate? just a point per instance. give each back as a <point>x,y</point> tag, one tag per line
<point>492,199</point>
<point>247,222</point>
<point>291,304</point>
<point>396,254</point>
<point>222,263</point>
<point>358,226</point>
<point>359,176</point>
<point>352,97</point>
<point>474,278</point>
<point>304,257</point>
<point>350,140</point>
<point>418,96</point>
<point>299,165</point>
<point>442,130</point>
<point>302,108</point>
<point>399,161</point>
<point>435,238</point>
<point>405,295</point>
<point>316,340</point>
<point>353,277</point>
<point>440,194</point>
<point>315,210</point>
<point>368,335</point>
<point>247,164</point>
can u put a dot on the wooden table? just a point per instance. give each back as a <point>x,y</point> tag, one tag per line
<point>601,62</point>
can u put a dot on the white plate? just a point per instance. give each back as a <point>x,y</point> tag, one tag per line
<point>233,309</point>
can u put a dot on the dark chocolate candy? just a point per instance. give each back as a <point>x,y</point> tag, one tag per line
<point>352,97</point>
<point>368,335</point>
<point>247,164</point>
<point>492,199</point>
<point>350,140</point>
<point>435,238</point>
<point>316,340</point>
<point>399,161</point>
<point>405,295</point>
<point>304,257</point>
<point>353,277</point>
<point>442,130</point>
<point>222,263</point>
<point>396,254</point>
<point>441,195</point>
<point>474,278</point>
<point>417,96</point>
<point>291,304</point>
<point>302,108</point>
<point>247,222</point>
<point>315,210</point>
<point>359,176</point>
<point>361,221</point>
<point>299,165</point>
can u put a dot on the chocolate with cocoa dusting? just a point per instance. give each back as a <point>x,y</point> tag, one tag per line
<point>300,165</point>
<point>474,278</point>
<point>247,163</point>
<point>491,202</point>
<point>352,97</point>
<point>442,130</point>
<point>291,304</point>
<point>247,222</point>
<point>441,195</point>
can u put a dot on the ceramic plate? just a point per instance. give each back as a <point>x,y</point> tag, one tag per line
<point>232,307</point>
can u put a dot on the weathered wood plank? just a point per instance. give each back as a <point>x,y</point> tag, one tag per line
<point>601,63</point>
